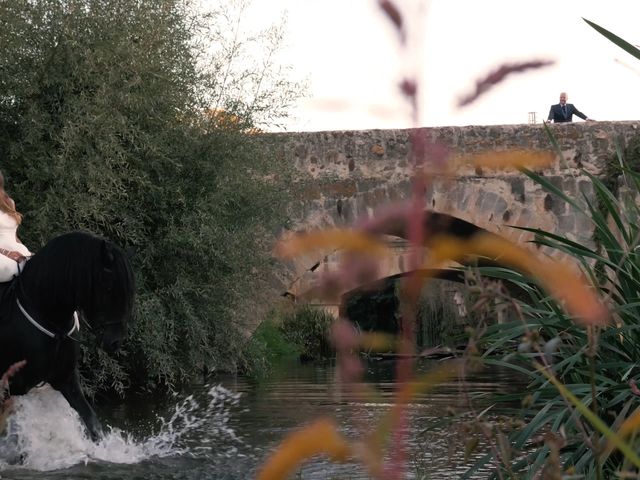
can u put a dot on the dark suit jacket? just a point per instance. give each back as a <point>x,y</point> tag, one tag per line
<point>557,116</point>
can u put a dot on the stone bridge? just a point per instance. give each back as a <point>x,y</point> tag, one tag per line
<point>347,175</point>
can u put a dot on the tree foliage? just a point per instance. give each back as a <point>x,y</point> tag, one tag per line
<point>108,124</point>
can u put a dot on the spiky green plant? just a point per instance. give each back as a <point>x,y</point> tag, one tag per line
<point>594,365</point>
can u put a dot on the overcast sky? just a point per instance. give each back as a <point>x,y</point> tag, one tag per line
<point>349,52</point>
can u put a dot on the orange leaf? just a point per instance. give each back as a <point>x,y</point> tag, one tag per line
<point>498,75</point>
<point>630,425</point>
<point>564,283</point>
<point>350,240</point>
<point>320,437</point>
<point>628,428</point>
<point>377,342</point>
<point>513,159</point>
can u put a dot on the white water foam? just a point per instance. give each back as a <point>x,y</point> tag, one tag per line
<point>45,433</point>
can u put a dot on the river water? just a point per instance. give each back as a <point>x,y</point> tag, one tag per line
<point>227,428</point>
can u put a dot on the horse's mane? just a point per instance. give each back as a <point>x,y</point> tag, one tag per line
<point>78,261</point>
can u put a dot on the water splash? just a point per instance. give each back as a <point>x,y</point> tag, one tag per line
<point>44,433</point>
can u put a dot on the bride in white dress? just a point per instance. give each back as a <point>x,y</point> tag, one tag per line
<point>12,252</point>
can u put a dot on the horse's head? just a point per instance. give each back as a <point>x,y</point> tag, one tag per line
<point>82,272</point>
<point>108,311</point>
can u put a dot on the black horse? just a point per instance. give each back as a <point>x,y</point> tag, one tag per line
<point>75,272</point>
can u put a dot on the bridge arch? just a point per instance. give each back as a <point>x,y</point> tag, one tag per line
<point>395,267</point>
<point>441,307</point>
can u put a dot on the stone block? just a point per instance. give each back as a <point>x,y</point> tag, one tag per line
<point>464,203</point>
<point>349,148</point>
<point>344,211</point>
<point>360,206</point>
<point>559,206</point>
<point>397,148</point>
<point>584,226</point>
<point>517,188</point>
<point>548,202</point>
<point>338,188</point>
<point>332,156</point>
<point>569,187</point>
<point>500,206</point>
<point>487,202</point>
<point>556,181</point>
<point>301,151</point>
<point>458,195</point>
<point>524,218</point>
<point>395,194</point>
<point>377,150</point>
<point>586,189</point>
<point>367,184</point>
<point>380,195</point>
<point>566,224</point>
<point>402,189</point>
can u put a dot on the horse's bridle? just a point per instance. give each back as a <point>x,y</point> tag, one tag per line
<point>100,328</point>
<point>55,336</point>
<point>75,327</point>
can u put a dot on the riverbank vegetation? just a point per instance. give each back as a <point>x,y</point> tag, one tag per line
<point>288,334</point>
<point>140,121</point>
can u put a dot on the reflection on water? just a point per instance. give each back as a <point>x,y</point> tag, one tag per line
<point>226,431</point>
<point>308,392</point>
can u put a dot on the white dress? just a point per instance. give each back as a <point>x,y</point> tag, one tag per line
<point>8,229</point>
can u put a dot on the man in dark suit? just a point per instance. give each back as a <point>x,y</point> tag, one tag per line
<point>563,111</point>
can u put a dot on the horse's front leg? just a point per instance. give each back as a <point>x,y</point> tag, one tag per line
<point>71,390</point>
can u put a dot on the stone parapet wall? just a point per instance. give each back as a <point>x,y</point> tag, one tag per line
<point>372,153</point>
<point>347,175</point>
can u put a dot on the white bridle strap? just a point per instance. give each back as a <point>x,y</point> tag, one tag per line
<point>76,322</point>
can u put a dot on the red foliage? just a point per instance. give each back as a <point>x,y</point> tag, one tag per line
<point>394,15</point>
<point>634,388</point>
<point>498,75</point>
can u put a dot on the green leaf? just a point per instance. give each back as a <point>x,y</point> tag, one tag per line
<point>597,423</point>
<point>540,420</point>
<point>550,187</point>
<point>626,46</point>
